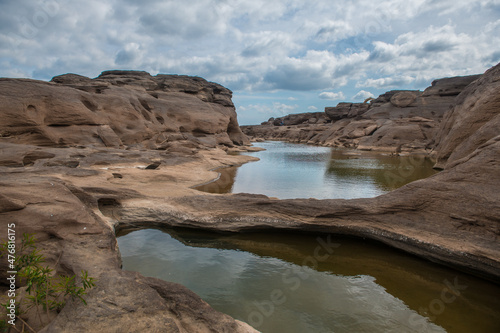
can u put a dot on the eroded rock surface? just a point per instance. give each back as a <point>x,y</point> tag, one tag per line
<point>71,151</point>
<point>397,121</point>
<point>73,194</point>
<point>119,108</point>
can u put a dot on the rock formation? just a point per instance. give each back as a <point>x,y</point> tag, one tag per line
<point>81,158</point>
<point>397,121</point>
<point>71,150</point>
<point>119,108</point>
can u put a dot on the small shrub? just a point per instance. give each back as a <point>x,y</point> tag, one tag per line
<point>45,292</point>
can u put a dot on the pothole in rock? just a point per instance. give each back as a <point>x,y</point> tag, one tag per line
<point>108,207</point>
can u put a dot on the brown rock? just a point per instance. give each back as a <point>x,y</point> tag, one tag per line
<point>450,86</point>
<point>450,218</point>
<point>473,121</point>
<point>346,110</point>
<point>406,120</point>
<point>403,99</point>
<point>77,110</point>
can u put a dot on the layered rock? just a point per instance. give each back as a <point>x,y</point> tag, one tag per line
<point>473,122</point>
<point>73,195</point>
<point>298,119</point>
<point>451,217</point>
<point>346,110</point>
<point>396,121</point>
<point>119,108</point>
<point>73,149</point>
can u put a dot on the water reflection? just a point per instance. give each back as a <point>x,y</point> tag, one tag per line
<point>385,171</point>
<point>224,184</point>
<point>288,170</point>
<point>296,283</point>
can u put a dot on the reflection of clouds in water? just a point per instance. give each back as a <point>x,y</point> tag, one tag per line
<point>287,171</point>
<point>236,282</point>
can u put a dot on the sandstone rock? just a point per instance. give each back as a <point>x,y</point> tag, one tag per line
<point>386,97</point>
<point>473,121</point>
<point>297,119</point>
<point>450,86</point>
<point>346,110</point>
<point>72,239</point>
<point>450,218</point>
<point>406,120</point>
<point>403,99</point>
<point>78,110</point>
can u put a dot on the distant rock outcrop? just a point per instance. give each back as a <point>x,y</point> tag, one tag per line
<point>346,110</point>
<point>396,121</point>
<point>119,108</point>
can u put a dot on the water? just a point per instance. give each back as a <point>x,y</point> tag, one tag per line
<point>295,283</point>
<point>302,283</point>
<point>288,170</point>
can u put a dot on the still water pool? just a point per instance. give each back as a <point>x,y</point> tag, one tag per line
<point>305,283</point>
<point>288,170</point>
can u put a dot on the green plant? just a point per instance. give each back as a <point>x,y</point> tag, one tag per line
<point>4,327</point>
<point>45,291</point>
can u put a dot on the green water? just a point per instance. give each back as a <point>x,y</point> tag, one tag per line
<point>288,170</point>
<point>303,283</point>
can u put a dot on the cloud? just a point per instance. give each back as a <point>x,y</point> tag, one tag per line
<point>362,95</point>
<point>129,55</point>
<point>265,43</point>
<point>255,46</point>
<point>316,70</point>
<point>312,108</point>
<point>332,95</point>
<point>274,109</point>
<point>387,82</point>
<point>382,52</point>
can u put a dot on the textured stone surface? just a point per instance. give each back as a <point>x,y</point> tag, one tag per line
<point>118,107</point>
<point>71,150</point>
<point>74,196</point>
<point>403,121</point>
<point>473,121</point>
<point>346,110</point>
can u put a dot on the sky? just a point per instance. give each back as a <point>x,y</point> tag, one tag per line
<point>278,57</point>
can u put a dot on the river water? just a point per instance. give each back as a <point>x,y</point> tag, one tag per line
<point>288,170</point>
<point>316,283</point>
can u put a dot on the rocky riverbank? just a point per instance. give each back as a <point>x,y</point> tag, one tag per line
<point>397,121</point>
<point>83,157</point>
<point>73,149</point>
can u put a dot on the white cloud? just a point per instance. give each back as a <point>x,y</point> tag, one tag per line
<point>312,108</point>
<point>129,55</point>
<point>362,95</point>
<point>332,95</point>
<point>256,46</point>
<point>387,82</point>
<point>274,109</point>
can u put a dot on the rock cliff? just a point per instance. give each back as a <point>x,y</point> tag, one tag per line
<point>81,158</point>
<point>397,121</point>
<point>119,108</point>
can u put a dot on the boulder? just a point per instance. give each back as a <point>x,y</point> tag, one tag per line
<point>346,110</point>
<point>403,99</point>
<point>451,86</point>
